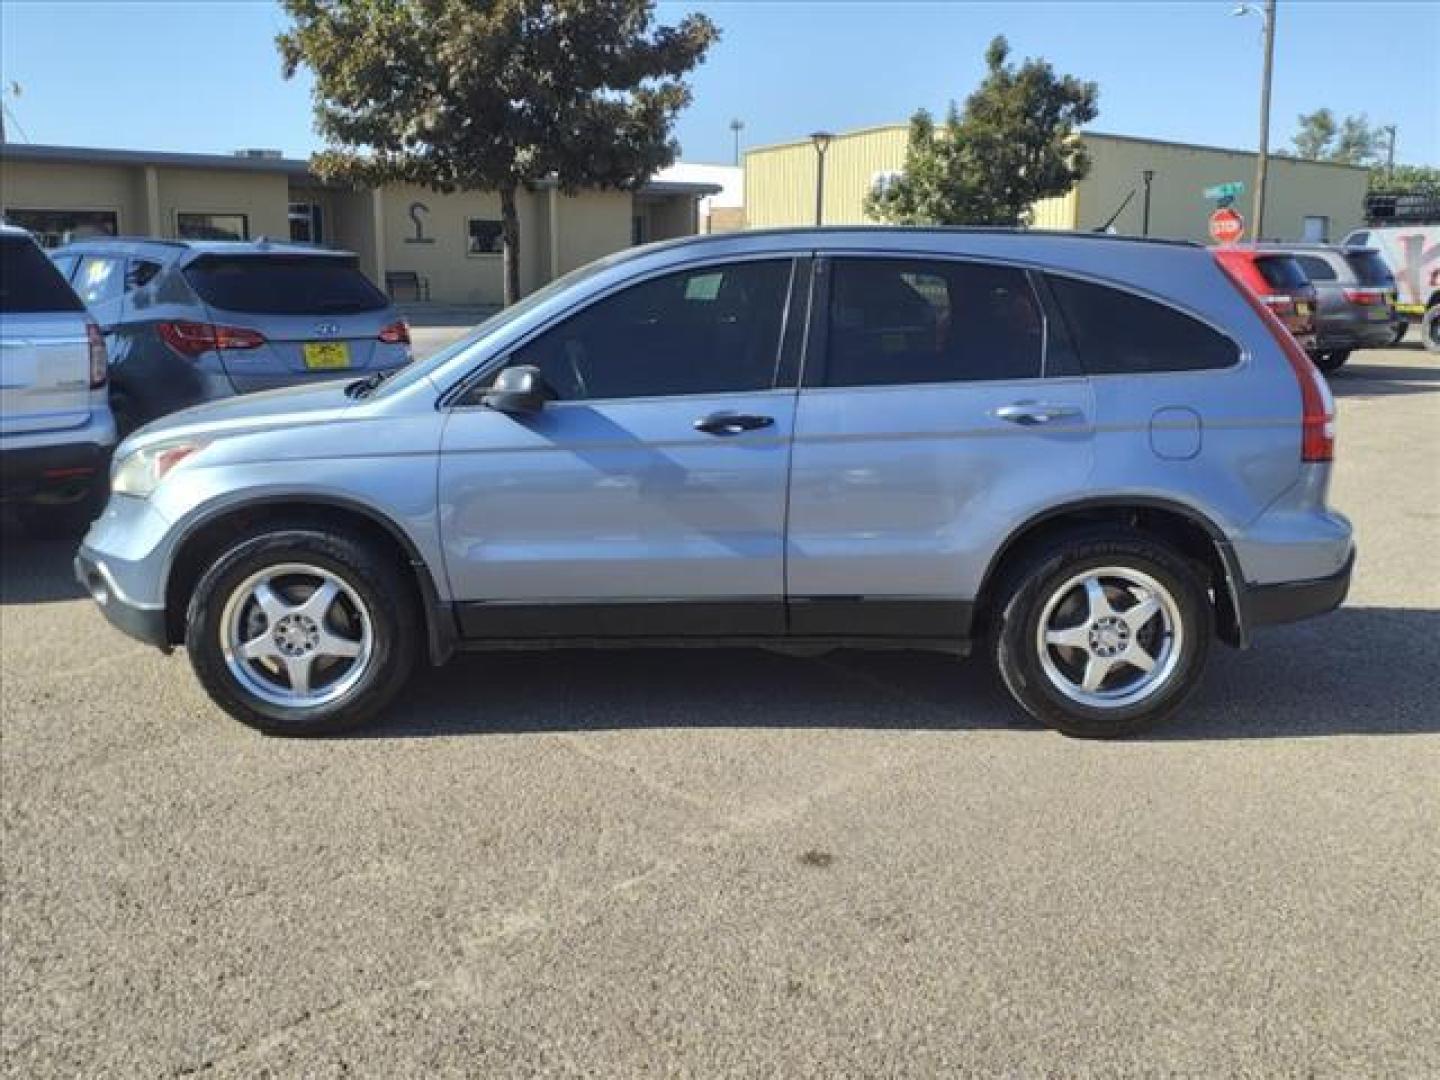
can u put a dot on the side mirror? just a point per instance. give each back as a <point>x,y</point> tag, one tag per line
<point>520,391</point>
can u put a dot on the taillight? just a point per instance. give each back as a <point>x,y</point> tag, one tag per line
<point>1365,297</point>
<point>191,339</point>
<point>1317,407</point>
<point>397,333</point>
<point>98,366</point>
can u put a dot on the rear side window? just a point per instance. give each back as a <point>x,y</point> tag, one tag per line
<point>284,285</point>
<point>1118,332</point>
<point>29,281</point>
<point>897,322</point>
<point>1316,268</point>
<point>1282,272</point>
<point>1370,269</point>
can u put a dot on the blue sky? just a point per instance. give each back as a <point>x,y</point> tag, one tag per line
<point>205,76</point>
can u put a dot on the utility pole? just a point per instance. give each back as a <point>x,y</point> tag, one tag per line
<point>1147,176</point>
<point>1262,163</point>
<point>736,126</point>
<point>1389,130</point>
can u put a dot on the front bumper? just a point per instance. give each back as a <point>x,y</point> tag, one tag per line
<point>141,622</point>
<point>1290,601</point>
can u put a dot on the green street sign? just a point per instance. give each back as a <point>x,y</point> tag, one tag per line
<point>1225,191</point>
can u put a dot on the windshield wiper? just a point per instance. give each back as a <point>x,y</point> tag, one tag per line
<point>361,388</point>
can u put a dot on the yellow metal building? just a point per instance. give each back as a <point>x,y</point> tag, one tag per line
<point>1305,200</point>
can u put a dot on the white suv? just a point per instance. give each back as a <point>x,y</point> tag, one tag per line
<point>56,431</point>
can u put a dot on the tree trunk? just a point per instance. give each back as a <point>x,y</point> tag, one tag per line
<point>510,235</point>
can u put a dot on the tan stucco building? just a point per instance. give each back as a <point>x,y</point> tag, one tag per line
<point>1304,200</point>
<point>400,232</point>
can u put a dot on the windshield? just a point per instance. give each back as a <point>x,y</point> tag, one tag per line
<point>284,285</point>
<point>1370,269</point>
<point>423,369</point>
<point>1282,272</point>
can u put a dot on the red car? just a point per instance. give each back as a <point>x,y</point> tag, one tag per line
<point>1280,283</point>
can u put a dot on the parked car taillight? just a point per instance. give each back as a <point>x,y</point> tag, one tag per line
<point>98,365</point>
<point>1317,407</point>
<point>191,339</point>
<point>1365,297</point>
<point>397,333</point>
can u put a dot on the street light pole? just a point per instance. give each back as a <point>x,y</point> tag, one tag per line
<point>821,139</point>
<point>1262,163</point>
<point>1147,176</point>
<point>736,126</point>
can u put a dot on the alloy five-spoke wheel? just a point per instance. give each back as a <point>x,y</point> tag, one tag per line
<point>1104,631</point>
<point>296,634</point>
<point>1109,636</point>
<point>298,631</point>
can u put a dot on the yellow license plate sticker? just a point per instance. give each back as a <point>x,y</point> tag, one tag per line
<point>1303,308</point>
<point>327,355</point>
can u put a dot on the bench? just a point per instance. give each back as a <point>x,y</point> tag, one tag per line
<point>419,287</point>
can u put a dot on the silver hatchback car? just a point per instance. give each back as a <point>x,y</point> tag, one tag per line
<point>1085,456</point>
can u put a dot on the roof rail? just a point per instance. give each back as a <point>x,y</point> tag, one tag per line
<point>971,230</point>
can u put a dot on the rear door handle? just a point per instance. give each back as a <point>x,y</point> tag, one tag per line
<point>1034,414</point>
<point>729,423</point>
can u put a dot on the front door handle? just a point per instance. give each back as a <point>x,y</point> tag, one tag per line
<point>1034,414</point>
<point>729,423</point>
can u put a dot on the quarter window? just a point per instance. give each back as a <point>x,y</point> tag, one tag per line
<point>100,279</point>
<point>1118,332</point>
<point>714,330</point>
<point>905,321</point>
<point>1316,268</point>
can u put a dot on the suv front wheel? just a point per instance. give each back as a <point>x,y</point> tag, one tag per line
<point>297,632</point>
<point>1103,634</point>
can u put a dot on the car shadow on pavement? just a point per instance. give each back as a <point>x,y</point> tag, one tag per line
<point>1359,671</point>
<point>36,571</point>
<point>1381,380</point>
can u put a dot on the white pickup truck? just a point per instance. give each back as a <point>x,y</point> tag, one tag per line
<point>1412,252</point>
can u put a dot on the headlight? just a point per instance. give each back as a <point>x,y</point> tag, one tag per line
<point>140,473</point>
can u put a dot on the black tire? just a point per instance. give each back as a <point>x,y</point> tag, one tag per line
<point>1430,328</point>
<point>1014,648</point>
<point>375,578</point>
<point>1332,361</point>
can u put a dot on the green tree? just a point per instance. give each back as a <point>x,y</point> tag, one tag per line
<point>1013,143</point>
<point>1316,134</point>
<point>494,95</point>
<point>1357,143</point>
<point>1404,178</point>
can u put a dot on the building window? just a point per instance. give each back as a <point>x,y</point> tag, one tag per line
<point>306,223</point>
<point>484,236</point>
<point>198,226</point>
<point>1316,228</point>
<point>52,228</point>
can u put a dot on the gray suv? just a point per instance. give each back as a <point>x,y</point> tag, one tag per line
<point>1084,456</point>
<point>1354,300</point>
<point>187,321</point>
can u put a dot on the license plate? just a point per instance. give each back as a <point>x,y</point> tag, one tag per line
<point>1380,314</point>
<point>327,355</point>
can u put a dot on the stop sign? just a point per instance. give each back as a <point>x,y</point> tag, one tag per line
<point>1226,225</point>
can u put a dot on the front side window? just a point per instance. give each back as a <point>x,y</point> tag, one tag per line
<point>197,226</point>
<point>1117,332</point>
<point>713,330</point>
<point>484,236</point>
<point>1316,268</point>
<point>908,321</point>
<point>100,278</point>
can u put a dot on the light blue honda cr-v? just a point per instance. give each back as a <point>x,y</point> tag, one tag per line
<point>1087,456</point>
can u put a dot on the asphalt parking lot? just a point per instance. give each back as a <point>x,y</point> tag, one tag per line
<point>701,863</point>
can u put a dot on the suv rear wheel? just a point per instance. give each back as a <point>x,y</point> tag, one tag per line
<point>1331,361</point>
<point>1103,634</point>
<point>297,632</point>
